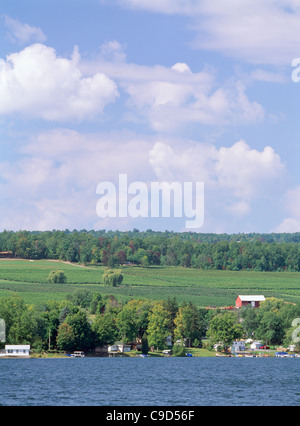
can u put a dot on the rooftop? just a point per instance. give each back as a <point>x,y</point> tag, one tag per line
<point>255,298</point>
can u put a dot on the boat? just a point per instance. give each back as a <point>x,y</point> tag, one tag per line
<point>78,354</point>
<point>281,355</point>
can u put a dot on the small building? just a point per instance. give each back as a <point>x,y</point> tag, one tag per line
<point>6,254</point>
<point>119,347</point>
<point>113,348</point>
<point>169,340</point>
<point>124,348</point>
<point>256,345</point>
<point>253,301</point>
<point>17,350</point>
<point>238,346</point>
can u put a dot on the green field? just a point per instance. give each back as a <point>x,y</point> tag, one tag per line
<point>219,288</point>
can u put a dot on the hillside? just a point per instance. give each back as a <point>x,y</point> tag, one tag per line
<point>203,287</point>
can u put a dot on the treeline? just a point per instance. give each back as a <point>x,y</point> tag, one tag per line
<point>260,252</point>
<point>86,320</point>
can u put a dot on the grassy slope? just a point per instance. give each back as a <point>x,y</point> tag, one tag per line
<point>219,288</point>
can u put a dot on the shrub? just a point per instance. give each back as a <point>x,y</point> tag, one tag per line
<point>112,277</point>
<point>57,277</point>
<point>179,350</point>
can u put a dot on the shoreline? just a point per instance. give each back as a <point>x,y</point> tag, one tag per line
<point>154,355</point>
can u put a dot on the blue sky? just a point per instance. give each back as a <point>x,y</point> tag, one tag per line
<point>161,90</point>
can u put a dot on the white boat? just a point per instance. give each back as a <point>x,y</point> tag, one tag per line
<point>78,354</point>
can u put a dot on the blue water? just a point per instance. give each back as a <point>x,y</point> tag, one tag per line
<point>150,381</point>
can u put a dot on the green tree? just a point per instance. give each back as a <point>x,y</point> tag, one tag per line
<point>172,306</point>
<point>270,329</point>
<point>65,337</point>
<point>159,327</point>
<point>179,350</point>
<point>82,298</point>
<point>223,328</point>
<point>97,304</point>
<point>127,322</point>
<point>112,277</point>
<point>187,323</point>
<point>75,333</point>
<point>21,324</point>
<point>250,320</point>
<point>57,276</point>
<point>104,329</point>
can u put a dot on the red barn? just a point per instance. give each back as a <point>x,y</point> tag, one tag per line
<point>253,301</point>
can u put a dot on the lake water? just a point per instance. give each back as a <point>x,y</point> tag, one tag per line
<point>150,382</point>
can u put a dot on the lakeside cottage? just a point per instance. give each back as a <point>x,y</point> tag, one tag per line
<point>16,351</point>
<point>238,346</point>
<point>119,347</point>
<point>253,301</point>
<point>256,345</point>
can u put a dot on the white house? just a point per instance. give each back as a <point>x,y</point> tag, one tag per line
<point>113,348</point>
<point>256,345</point>
<point>238,346</point>
<point>124,348</point>
<point>119,347</point>
<point>169,340</point>
<point>17,350</point>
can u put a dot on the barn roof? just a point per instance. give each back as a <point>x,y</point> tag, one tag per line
<point>256,298</point>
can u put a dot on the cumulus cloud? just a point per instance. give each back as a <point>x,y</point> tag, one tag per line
<point>291,204</point>
<point>23,33</point>
<point>239,174</point>
<point>245,170</point>
<point>36,82</point>
<point>167,106</point>
<point>53,183</point>
<point>169,98</point>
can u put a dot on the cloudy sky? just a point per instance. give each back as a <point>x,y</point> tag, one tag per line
<point>159,90</point>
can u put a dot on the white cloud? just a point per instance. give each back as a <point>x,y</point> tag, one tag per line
<point>245,170</point>
<point>240,208</point>
<point>168,106</point>
<point>113,51</point>
<point>53,184</point>
<point>23,33</point>
<point>288,225</point>
<point>237,175</point>
<point>291,204</point>
<point>168,99</point>
<point>256,31</point>
<point>164,6</point>
<point>36,82</point>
